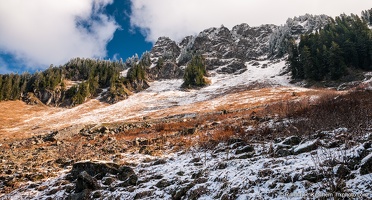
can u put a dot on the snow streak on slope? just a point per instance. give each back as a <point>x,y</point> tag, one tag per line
<point>167,96</point>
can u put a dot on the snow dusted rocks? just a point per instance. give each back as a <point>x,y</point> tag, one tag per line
<point>228,50</point>
<point>306,147</point>
<point>366,165</point>
<point>217,173</point>
<point>169,70</point>
<point>85,181</point>
<point>166,48</point>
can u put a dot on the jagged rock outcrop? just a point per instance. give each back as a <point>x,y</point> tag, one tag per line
<point>138,85</point>
<point>168,70</point>
<point>166,48</point>
<point>226,51</point>
<point>51,97</point>
<point>292,29</point>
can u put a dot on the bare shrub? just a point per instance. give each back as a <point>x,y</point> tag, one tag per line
<point>325,161</point>
<point>159,127</point>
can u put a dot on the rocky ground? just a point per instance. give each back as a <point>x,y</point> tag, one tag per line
<point>229,154</point>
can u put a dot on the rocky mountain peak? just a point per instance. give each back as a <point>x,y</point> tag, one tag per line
<point>166,48</point>
<point>223,47</point>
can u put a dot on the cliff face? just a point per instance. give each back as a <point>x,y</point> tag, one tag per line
<point>52,98</point>
<point>47,97</point>
<point>227,50</point>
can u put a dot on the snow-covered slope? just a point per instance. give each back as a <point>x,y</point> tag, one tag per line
<point>165,94</point>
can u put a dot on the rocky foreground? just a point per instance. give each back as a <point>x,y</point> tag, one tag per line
<point>225,155</point>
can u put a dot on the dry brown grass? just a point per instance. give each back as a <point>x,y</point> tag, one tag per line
<point>13,113</point>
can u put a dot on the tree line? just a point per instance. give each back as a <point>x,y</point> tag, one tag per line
<point>91,74</point>
<point>341,47</point>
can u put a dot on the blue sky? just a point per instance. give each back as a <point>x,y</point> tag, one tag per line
<point>125,41</point>
<point>37,33</point>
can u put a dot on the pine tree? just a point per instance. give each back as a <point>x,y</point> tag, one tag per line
<point>336,64</point>
<point>195,72</point>
<point>6,90</point>
<point>293,59</point>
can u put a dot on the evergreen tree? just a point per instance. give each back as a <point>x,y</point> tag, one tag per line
<point>345,42</point>
<point>6,90</point>
<point>293,59</point>
<point>195,72</point>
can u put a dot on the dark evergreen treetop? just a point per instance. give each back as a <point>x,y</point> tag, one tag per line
<point>195,72</point>
<point>328,54</point>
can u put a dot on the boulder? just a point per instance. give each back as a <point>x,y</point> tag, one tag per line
<point>293,140</point>
<point>141,142</point>
<point>245,149</point>
<point>306,147</point>
<point>282,152</point>
<point>85,181</point>
<point>265,172</point>
<point>50,137</point>
<point>163,183</point>
<point>96,169</point>
<point>127,175</point>
<point>341,171</point>
<point>366,165</point>
<point>313,177</point>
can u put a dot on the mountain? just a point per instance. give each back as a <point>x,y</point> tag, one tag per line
<point>129,130</point>
<point>227,51</point>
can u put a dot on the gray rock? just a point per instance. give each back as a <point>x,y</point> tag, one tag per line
<point>169,70</point>
<point>93,169</point>
<point>127,175</point>
<point>166,48</point>
<point>159,162</point>
<point>341,171</point>
<point>143,194</point>
<point>265,172</point>
<point>83,195</point>
<point>108,180</point>
<point>282,152</point>
<point>293,140</point>
<point>313,177</point>
<point>163,183</point>
<point>85,181</point>
<point>307,147</point>
<point>366,165</point>
<point>235,67</point>
<point>245,149</point>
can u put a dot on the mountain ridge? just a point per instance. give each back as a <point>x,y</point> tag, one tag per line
<point>249,134</point>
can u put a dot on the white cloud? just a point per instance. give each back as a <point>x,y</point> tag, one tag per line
<point>43,32</point>
<point>179,18</point>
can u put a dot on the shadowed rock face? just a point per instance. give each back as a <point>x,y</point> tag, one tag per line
<point>85,181</point>
<point>101,169</point>
<point>169,70</point>
<point>240,44</point>
<point>165,47</point>
<point>96,169</point>
<point>220,46</point>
